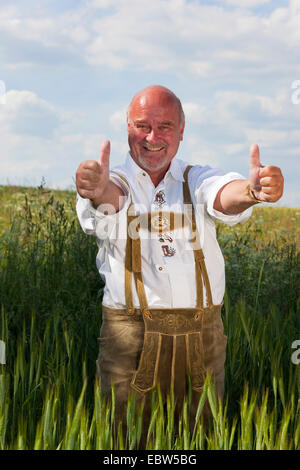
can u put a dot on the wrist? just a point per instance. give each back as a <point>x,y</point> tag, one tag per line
<point>101,194</point>
<point>110,200</point>
<point>96,201</point>
<point>252,196</point>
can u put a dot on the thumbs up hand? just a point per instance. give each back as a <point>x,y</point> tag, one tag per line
<point>266,182</point>
<point>92,177</point>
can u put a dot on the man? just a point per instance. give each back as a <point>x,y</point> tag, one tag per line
<point>164,274</point>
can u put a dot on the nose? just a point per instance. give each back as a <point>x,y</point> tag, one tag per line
<point>152,136</point>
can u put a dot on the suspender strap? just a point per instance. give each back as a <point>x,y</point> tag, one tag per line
<point>123,179</point>
<point>139,284</point>
<point>133,262</point>
<point>129,255</point>
<point>128,276</point>
<point>137,269</point>
<point>200,266</point>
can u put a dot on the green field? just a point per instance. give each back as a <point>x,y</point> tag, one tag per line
<point>50,295</point>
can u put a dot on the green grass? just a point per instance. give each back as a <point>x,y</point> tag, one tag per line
<point>50,295</point>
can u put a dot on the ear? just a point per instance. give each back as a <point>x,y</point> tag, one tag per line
<point>127,119</point>
<point>182,130</point>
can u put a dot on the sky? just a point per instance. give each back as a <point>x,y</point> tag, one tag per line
<point>68,70</point>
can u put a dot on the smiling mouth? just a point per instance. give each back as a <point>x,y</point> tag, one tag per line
<point>153,148</point>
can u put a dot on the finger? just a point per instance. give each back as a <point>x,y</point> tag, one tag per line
<point>90,175</point>
<point>267,181</point>
<point>86,193</point>
<point>104,154</point>
<point>88,183</point>
<point>271,194</point>
<point>268,190</point>
<point>270,170</point>
<point>90,166</point>
<point>254,157</point>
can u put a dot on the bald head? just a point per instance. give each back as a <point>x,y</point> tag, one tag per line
<point>155,125</point>
<point>156,95</point>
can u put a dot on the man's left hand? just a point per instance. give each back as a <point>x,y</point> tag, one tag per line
<point>266,182</point>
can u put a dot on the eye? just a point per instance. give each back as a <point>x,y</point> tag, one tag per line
<point>142,126</point>
<point>165,127</point>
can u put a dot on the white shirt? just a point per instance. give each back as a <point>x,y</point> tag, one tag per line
<point>168,273</point>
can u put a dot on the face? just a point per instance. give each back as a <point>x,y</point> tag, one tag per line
<point>154,130</point>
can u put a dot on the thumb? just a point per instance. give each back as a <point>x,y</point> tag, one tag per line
<point>104,154</point>
<point>254,157</point>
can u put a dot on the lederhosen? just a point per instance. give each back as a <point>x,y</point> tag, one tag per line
<point>141,347</point>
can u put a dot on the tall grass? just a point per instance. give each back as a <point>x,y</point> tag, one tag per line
<point>50,295</point>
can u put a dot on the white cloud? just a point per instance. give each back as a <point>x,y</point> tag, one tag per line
<point>29,29</point>
<point>246,3</point>
<point>266,137</point>
<point>205,41</point>
<point>34,142</point>
<point>194,113</point>
<point>101,3</point>
<point>200,68</point>
<point>31,158</point>
<point>243,107</point>
<point>28,154</point>
<point>232,64</point>
<point>26,113</point>
<point>237,148</point>
<point>200,152</point>
<point>118,119</point>
<point>202,40</point>
<point>283,25</point>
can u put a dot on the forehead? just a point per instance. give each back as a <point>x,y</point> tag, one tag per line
<point>154,106</point>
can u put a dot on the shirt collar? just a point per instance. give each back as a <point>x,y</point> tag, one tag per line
<point>176,170</point>
<point>135,170</point>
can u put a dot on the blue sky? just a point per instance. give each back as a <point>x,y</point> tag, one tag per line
<point>71,67</point>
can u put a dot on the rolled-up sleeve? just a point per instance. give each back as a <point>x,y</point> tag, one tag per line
<point>95,222</point>
<point>207,189</point>
<point>85,215</point>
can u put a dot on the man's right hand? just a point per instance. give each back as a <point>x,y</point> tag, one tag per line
<point>92,182</point>
<point>92,177</point>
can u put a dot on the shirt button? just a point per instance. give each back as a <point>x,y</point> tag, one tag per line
<point>161,268</point>
<point>144,174</point>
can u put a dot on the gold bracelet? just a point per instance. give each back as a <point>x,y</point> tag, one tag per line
<point>251,194</point>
